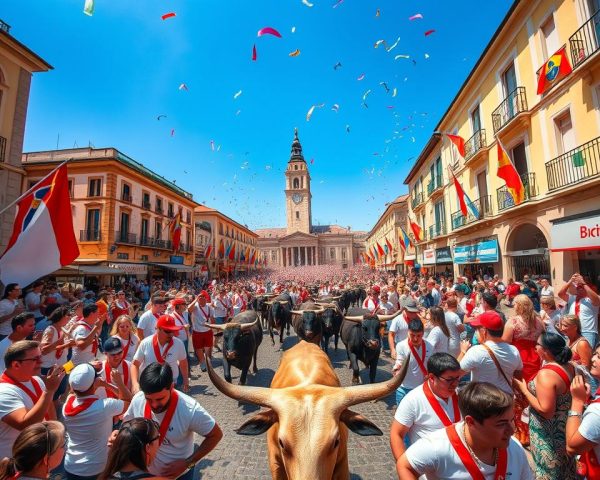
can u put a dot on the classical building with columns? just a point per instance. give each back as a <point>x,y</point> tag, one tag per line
<point>300,242</point>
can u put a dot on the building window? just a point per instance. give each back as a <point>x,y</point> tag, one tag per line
<point>124,226</point>
<point>92,225</point>
<point>144,258</point>
<point>188,238</point>
<point>158,230</point>
<point>273,256</point>
<point>144,232</point>
<point>296,183</point>
<point>476,119</point>
<point>297,215</point>
<point>332,253</point>
<point>519,158</point>
<point>146,200</point>
<point>295,167</point>
<point>170,212</point>
<point>122,256</point>
<point>220,228</point>
<point>343,254</point>
<point>549,37</point>
<point>159,205</point>
<point>94,187</point>
<point>70,188</point>
<point>565,135</point>
<point>509,82</point>
<point>126,193</point>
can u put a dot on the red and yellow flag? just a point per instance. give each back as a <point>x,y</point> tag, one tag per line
<point>555,68</point>
<point>417,230</point>
<point>508,173</point>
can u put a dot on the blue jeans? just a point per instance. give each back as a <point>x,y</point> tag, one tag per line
<point>401,393</point>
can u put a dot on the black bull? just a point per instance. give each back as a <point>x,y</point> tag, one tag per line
<point>241,338</point>
<point>360,334</point>
<point>279,316</point>
<point>317,323</point>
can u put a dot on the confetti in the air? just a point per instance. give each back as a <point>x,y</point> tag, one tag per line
<point>338,3</point>
<point>337,65</point>
<point>361,77</point>
<point>168,15</point>
<point>429,32</point>
<point>378,42</point>
<point>394,45</point>
<point>312,109</point>
<point>161,116</point>
<point>416,16</point>
<point>394,92</point>
<point>237,94</point>
<point>172,132</point>
<point>307,3</point>
<point>401,56</point>
<point>426,55</point>
<point>254,53</point>
<point>378,13</point>
<point>88,7</point>
<point>366,94</point>
<point>293,29</point>
<point>335,107</point>
<point>295,53</point>
<point>238,112</point>
<point>347,128</point>
<point>183,86</point>
<point>268,31</point>
<point>212,145</point>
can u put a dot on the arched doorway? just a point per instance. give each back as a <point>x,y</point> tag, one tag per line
<point>527,248</point>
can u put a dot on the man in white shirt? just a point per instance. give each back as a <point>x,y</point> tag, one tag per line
<point>23,325</point>
<point>583,302</point>
<point>493,360</point>
<point>547,289</point>
<point>116,371</point>
<point>455,326</point>
<point>398,330</point>
<point>161,347</point>
<point>481,446</point>
<point>202,336</point>
<point>10,306</point>
<point>222,307</point>
<point>88,420</point>
<point>24,398</point>
<point>179,417</point>
<point>147,323</point>
<point>33,300</point>
<point>418,350</point>
<point>430,406</point>
<point>85,334</point>
<point>435,293</point>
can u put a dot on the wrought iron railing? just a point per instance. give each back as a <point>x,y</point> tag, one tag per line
<point>574,166</point>
<point>89,235</point>
<point>146,205</point>
<point>126,197</point>
<point>585,41</point>
<point>483,206</point>
<point>505,199</point>
<point>436,230</point>
<point>125,237</point>
<point>475,143</point>
<point>417,200</point>
<point>434,184</point>
<point>511,106</point>
<point>5,27</point>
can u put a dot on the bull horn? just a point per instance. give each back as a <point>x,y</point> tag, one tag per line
<point>268,303</point>
<point>385,318</point>
<point>216,327</point>
<point>246,326</point>
<point>257,395</point>
<point>284,302</point>
<point>297,312</point>
<point>365,393</point>
<point>354,319</point>
<point>336,298</point>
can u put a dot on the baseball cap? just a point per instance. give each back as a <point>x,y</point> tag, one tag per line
<point>410,305</point>
<point>178,301</point>
<point>205,294</point>
<point>112,346</point>
<point>376,288</point>
<point>167,322</point>
<point>82,377</point>
<point>490,320</point>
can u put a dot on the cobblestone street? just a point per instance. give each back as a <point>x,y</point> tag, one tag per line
<point>244,457</point>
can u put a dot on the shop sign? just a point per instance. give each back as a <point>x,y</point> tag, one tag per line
<point>130,268</point>
<point>579,234</point>
<point>176,259</point>
<point>443,255</point>
<point>480,252</point>
<point>410,257</point>
<point>429,256</point>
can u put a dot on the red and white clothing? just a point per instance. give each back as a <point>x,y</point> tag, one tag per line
<point>182,321</point>
<point>417,413</point>
<point>201,317</point>
<point>417,367</point>
<point>130,346</point>
<point>12,398</point>
<point>88,421</point>
<point>586,311</point>
<point>222,307</point>
<point>106,374</point>
<point>372,304</point>
<point>55,357</point>
<point>147,322</point>
<point>238,304</point>
<point>399,327</point>
<point>590,425</point>
<point>436,458</point>
<point>151,351</point>
<point>187,418</point>
<point>88,354</point>
<point>119,308</point>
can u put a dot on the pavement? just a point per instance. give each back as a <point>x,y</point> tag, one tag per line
<point>245,457</point>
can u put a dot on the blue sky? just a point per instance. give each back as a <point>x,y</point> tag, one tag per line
<point>116,71</point>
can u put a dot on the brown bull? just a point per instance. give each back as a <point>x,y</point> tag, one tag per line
<point>307,415</point>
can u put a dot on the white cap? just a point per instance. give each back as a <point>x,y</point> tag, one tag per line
<point>82,377</point>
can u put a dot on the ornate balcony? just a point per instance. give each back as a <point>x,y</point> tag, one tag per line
<point>505,199</point>
<point>436,230</point>
<point>585,41</point>
<point>513,105</point>
<point>89,235</point>
<point>125,237</point>
<point>575,166</point>
<point>417,200</point>
<point>435,186</point>
<point>475,144</point>
<point>483,206</point>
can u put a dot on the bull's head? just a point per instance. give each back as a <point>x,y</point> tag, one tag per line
<point>331,310</point>
<point>232,334</point>
<point>370,326</point>
<point>311,322</point>
<point>309,418</point>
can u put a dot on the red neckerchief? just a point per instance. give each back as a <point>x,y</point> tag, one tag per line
<point>420,361</point>
<point>205,315</point>
<point>467,459</point>
<point>577,306</point>
<point>223,305</point>
<point>166,421</point>
<point>160,358</point>
<point>179,318</point>
<point>437,408</point>
<point>35,395</point>
<point>126,347</point>
<point>58,351</point>
<point>95,342</point>
<point>71,411</point>
<point>108,376</point>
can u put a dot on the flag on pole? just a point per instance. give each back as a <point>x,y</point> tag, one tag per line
<point>555,68</point>
<point>175,232</point>
<point>508,173</point>
<point>375,254</point>
<point>404,239</point>
<point>232,251</point>
<point>457,145</point>
<point>389,245</point>
<point>221,250</point>
<point>463,199</point>
<point>228,249</point>
<point>379,249</point>
<point>208,251</point>
<point>417,230</point>
<point>42,239</point>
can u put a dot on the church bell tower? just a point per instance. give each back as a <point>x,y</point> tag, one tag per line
<point>297,191</point>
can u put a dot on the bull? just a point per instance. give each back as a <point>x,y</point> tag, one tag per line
<point>362,338</point>
<point>279,316</point>
<point>241,339</point>
<point>307,322</point>
<point>332,319</point>
<point>307,414</point>
<point>260,306</point>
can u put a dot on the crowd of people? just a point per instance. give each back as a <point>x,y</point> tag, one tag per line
<point>494,367</point>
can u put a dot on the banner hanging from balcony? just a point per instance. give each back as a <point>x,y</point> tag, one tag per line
<point>485,251</point>
<point>556,68</point>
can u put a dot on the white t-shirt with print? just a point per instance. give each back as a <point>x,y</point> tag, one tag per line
<point>189,418</point>
<point>147,323</point>
<point>590,426</point>
<point>414,375</point>
<point>87,354</point>
<point>13,398</point>
<point>435,457</point>
<point>416,413</point>
<point>87,433</point>
<point>145,354</point>
<point>200,317</point>
<point>7,306</point>
<point>221,306</point>
<point>399,328</point>
<point>478,361</point>
<point>181,321</point>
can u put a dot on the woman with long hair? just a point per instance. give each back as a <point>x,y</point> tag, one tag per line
<point>522,330</point>
<point>570,327</point>
<point>38,450</point>
<point>124,329</point>
<point>132,450</point>
<point>549,397</point>
<point>439,336</point>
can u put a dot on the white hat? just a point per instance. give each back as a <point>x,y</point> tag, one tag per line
<point>82,377</point>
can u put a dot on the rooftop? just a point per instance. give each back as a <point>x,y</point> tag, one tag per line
<point>315,230</point>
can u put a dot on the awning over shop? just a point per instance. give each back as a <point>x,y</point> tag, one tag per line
<point>429,257</point>
<point>580,232</point>
<point>175,267</point>
<point>485,251</point>
<point>99,270</point>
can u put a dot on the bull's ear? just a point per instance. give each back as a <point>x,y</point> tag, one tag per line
<point>258,424</point>
<point>359,424</point>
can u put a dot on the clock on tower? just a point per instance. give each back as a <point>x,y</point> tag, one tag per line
<point>297,191</point>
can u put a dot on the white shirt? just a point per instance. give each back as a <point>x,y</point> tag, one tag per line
<point>31,299</point>
<point>125,365</point>
<point>181,320</point>
<point>416,413</point>
<point>7,306</point>
<point>477,360</point>
<point>588,313</point>
<point>221,306</point>
<point>189,418</point>
<point>51,335</point>
<point>551,321</point>
<point>547,291</point>
<point>4,344</point>
<point>200,317</point>
<point>147,323</point>
<point>462,306</point>
<point>438,339</point>
<point>145,354</point>
<point>135,341</point>
<point>435,457</point>
<point>399,327</point>
<point>86,355</point>
<point>453,323</point>
<point>386,308</point>
<point>237,303</point>
<point>88,432</point>
<point>590,426</point>
<point>414,375</point>
<point>370,304</point>
<point>13,398</point>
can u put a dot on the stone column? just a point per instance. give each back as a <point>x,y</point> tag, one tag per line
<point>284,256</point>
<point>289,254</point>
<point>309,250</point>
<point>304,256</point>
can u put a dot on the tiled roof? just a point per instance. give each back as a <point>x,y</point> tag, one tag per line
<point>271,232</point>
<point>317,229</point>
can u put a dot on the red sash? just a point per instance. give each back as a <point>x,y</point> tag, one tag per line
<point>223,305</point>
<point>35,396</point>
<point>108,376</point>
<point>561,373</point>
<point>467,459</point>
<point>437,408</point>
<point>206,316</point>
<point>159,357</point>
<point>71,411</point>
<point>577,307</point>
<point>166,421</point>
<point>57,351</point>
<point>95,342</point>
<point>420,361</point>
<point>178,318</point>
<point>126,348</point>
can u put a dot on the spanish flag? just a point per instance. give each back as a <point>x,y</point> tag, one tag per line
<point>389,245</point>
<point>555,68</point>
<point>417,230</point>
<point>508,173</point>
